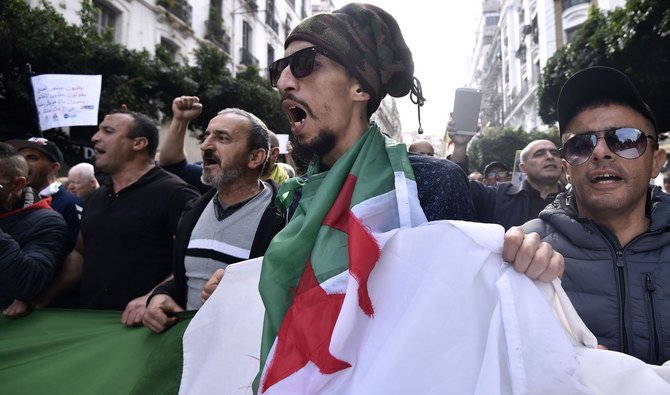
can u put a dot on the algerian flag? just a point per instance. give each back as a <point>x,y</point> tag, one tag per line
<point>343,219</point>
<point>60,351</point>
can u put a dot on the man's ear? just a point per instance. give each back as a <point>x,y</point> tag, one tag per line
<point>274,153</point>
<point>140,143</point>
<point>658,160</point>
<point>358,93</point>
<point>54,168</point>
<point>20,182</point>
<point>257,158</point>
<point>522,167</point>
<point>566,169</point>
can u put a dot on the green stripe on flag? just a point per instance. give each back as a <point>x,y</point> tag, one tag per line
<point>373,160</point>
<point>54,351</point>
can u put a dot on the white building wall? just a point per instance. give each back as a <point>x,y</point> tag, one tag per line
<point>520,76</point>
<point>141,24</point>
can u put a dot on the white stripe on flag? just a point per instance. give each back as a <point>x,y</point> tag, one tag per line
<point>218,246</point>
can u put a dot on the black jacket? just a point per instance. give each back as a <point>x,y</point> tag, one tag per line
<point>621,292</point>
<point>507,204</point>
<point>32,249</point>
<point>270,224</point>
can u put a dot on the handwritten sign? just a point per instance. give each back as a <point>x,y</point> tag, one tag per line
<point>67,99</point>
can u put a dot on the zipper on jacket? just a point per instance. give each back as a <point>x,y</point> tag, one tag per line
<point>622,292</point>
<point>651,288</point>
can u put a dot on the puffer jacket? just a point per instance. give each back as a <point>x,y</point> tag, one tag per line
<point>621,292</point>
<point>32,248</point>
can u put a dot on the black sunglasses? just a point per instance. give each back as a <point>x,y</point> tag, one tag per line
<point>301,62</point>
<point>628,143</point>
<point>499,173</point>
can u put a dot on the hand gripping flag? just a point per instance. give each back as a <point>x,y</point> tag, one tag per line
<point>342,221</point>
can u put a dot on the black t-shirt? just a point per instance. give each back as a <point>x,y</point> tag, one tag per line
<point>128,238</point>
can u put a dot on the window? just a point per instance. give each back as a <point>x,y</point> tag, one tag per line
<point>491,20</point>
<point>270,15</point>
<point>170,47</point>
<point>570,33</point>
<point>271,55</point>
<point>247,34</point>
<point>105,18</point>
<point>571,3</point>
<point>246,57</point>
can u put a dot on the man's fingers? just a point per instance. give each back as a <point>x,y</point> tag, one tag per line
<point>156,316</point>
<point>512,242</point>
<point>211,285</point>
<point>530,255</point>
<point>538,262</point>
<point>136,316</point>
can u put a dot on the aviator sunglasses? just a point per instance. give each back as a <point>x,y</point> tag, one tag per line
<point>301,63</point>
<point>628,143</point>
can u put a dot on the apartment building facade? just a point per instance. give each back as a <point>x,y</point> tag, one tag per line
<point>250,32</point>
<point>515,39</point>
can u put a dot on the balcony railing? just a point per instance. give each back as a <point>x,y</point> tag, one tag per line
<point>246,58</point>
<point>179,8</point>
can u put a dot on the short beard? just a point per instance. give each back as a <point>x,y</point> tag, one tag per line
<point>323,143</point>
<point>222,178</point>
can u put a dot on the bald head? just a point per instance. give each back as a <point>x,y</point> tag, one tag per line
<point>534,146</point>
<point>422,147</point>
<point>81,180</point>
<point>541,163</point>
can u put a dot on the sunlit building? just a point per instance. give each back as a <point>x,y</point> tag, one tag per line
<point>515,39</point>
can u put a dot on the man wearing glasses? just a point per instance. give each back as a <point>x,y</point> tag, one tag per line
<point>509,204</point>
<point>338,67</point>
<point>611,225</point>
<point>496,172</point>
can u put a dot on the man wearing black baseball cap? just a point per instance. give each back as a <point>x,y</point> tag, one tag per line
<point>611,226</point>
<point>45,160</point>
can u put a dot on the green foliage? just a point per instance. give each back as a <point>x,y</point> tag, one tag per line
<point>145,83</point>
<point>252,74</point>
<point>490,145</point>
<point>634,39</point>
<point>219,90</point>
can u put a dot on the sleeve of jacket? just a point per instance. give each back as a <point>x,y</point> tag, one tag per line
<point>182,195</point>
<point>535,225</point>
<point>26,270</point>
<point>484,200</point>
<point>166,288</point>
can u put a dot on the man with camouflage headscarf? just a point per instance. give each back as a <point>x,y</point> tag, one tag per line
<point>338,67</point>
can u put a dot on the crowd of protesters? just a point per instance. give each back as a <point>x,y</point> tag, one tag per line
<point>150,238</point>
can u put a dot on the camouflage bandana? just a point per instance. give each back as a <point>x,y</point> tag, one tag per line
<point>368,42</point>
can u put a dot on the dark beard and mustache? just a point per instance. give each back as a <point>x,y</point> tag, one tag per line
<point>323,143</point>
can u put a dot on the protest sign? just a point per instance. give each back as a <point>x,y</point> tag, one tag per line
<point>67,99</point>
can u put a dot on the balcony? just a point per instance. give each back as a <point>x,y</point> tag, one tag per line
<point>246,58</point>
<point>251,5</point>
<point>179,8</point>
